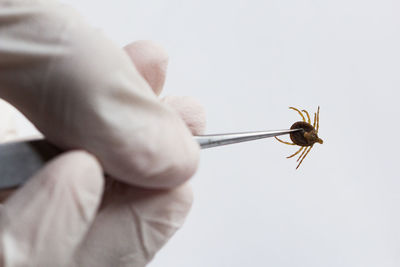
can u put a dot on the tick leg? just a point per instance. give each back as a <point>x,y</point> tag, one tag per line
<point>308,116</point>
<point>284,141</point>
<point>317,120</point>
<point>303,157</point>
<point>301,114</point>
<point>296,152</point>
<point>302,153</point>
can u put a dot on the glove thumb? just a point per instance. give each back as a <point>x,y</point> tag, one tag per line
<point>45,220</point>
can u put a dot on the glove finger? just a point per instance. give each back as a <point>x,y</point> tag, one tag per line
<point>190,110</point>
<point>44,221</point>
<point>133,224</point>
<point>151,60</point>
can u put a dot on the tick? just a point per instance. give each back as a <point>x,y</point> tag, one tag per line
<point>305,138</point>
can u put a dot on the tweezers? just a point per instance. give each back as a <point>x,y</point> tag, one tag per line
<point>213,140</point>
<point>20,160</point>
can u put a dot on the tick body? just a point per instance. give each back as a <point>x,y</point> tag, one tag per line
<point>306,138</point>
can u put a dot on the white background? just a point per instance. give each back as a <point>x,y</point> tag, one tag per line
<point>247,62</point>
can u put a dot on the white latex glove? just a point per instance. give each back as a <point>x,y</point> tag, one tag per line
<point>82,92</point>
<point>52,220</point>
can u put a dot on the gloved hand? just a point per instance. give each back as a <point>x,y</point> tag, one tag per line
<point>81,91</point>
<point>96,105</point>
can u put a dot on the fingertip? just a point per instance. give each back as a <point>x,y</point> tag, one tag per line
<point>167,160</point>
<point>190,110</point>
<point>151,60</point>
<point>175,168</point>
<point>184,167</point>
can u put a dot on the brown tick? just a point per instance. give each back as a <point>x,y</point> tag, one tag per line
<point>305,138</point>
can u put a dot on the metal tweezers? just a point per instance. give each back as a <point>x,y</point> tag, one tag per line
<point>213,140</point>
<point>20,160</point>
